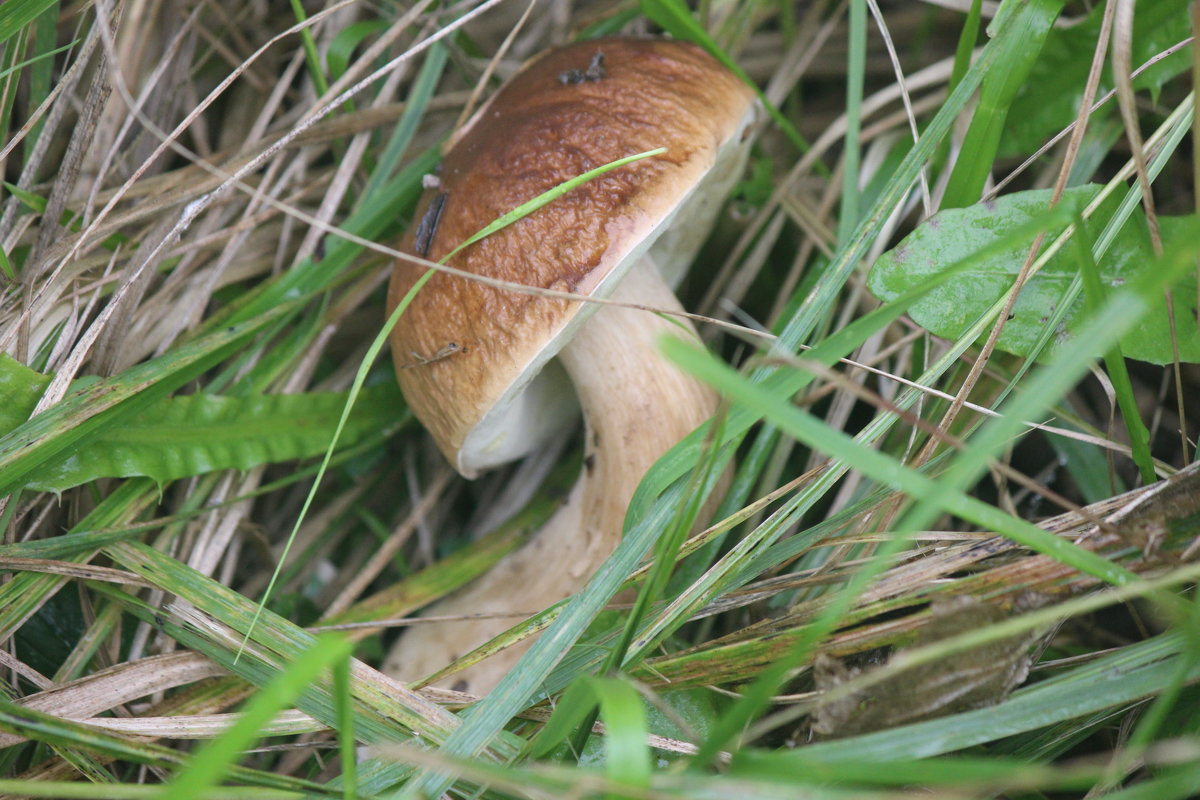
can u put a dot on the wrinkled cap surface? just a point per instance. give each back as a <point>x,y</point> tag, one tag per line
<point>465,351</point>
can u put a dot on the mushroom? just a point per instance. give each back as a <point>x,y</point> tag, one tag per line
<point>474,361</point>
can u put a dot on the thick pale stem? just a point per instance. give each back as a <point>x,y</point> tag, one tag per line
<point>637,406</point>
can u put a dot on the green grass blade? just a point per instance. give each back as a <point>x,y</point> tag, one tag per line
<point>311,58</point>
<point>344,706</point>
<point>209,766</point>
<point>508,697</point>
<point>74,790</point>
<point>415,106</point>
<point>962,61</point>
<point>675,18</point>
<point>1112,681</point>
<point>627,760</point>
<point>851,151</point>
<point>24,594</point>
<point>276,642</point>
<point>933,497</point>
<point>1114,360</point>
<point>966,43</point>
<point>548,196</point>
<point>36,60</point>
<point>16,14</point>
<point>66,733</point>
<point>628,757</point>
<point>376,221</point>
<point>1033,21</point>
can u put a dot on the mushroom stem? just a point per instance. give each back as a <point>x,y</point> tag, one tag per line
<point>637,405</point>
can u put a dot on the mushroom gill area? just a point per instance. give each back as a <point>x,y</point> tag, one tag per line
<point>636,406</point>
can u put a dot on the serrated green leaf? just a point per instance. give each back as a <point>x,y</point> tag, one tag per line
<point>949,310</point>
<point>193,434</point>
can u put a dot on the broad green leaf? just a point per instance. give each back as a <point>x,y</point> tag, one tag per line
<point>1049,99</point>
<point>954,234</point>
<point>193,434</point>
<point>627,760</point>
<point>20,387</point>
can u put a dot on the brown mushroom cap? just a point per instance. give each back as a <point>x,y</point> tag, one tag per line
<point>466,351</point>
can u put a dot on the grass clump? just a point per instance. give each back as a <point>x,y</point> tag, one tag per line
<point>958,548</point>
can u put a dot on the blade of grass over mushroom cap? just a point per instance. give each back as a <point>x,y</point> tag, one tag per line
<point>381,338</point>
<point>636,230</point>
